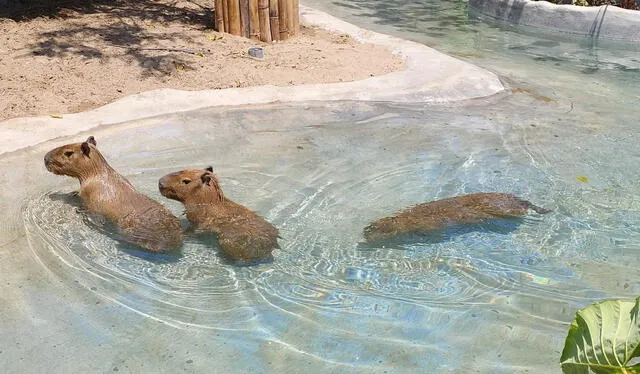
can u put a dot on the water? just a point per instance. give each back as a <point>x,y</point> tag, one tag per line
<point>582,70</point>
<point>491,299</point>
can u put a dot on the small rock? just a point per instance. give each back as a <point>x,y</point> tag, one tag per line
<point>256,52</point>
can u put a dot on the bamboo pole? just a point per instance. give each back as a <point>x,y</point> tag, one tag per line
<point>244,17</point>
<point>254,20</point>
<point>273,19</point>
<point>290,14</point>
<point>219,16</point>
<point>296,17</point>
<point>282,15</point>
<point>263,13</point>
<point>234,17</point>
<point>225,14</point>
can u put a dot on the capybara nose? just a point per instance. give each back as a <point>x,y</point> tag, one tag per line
<point>47,160</point>
<point>162,184</point>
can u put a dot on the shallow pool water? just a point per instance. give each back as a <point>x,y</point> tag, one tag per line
<point>480,299</point>
<point>492,298</point>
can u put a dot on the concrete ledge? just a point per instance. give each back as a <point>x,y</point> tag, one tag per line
<point>605,22</point>
<point>430,77</point>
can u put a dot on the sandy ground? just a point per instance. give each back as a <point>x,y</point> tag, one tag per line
<point>84,54</point>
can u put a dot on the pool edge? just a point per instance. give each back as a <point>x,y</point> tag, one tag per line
<point>444,79</point>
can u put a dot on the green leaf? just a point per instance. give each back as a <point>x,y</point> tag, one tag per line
<point>603,338</point>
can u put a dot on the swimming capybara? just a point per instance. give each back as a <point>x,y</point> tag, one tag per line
<point>241,233</point>
<point>139,219</point>
<point>439,214</point>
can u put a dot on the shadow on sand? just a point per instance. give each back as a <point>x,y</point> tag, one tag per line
<point>125,26</point>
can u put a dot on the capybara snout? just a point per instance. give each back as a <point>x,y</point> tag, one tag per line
<point>71,159</point>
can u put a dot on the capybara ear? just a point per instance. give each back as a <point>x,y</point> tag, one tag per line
<point>92,140</point>
<point>209,168</point>
<point>206,179</point>
<point>85,149</point>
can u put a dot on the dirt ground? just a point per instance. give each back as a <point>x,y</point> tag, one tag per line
<point>70,56</point>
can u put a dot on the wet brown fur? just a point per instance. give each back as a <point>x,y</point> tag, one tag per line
<point>439,214</point>
<point>241,233</point>
<point>103,190</point>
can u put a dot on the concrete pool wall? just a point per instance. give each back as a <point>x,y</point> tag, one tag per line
<point>601,22</point>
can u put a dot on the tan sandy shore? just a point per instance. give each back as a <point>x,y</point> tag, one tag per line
<point>83,55</point>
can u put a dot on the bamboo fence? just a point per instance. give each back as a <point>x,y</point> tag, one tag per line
<point>267,20</point>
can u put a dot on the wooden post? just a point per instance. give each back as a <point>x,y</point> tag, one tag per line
<point>290,14</point>
<point>282,15</point>
<point>296,17</point>
<point>265,28</point>
<point>244,17</point>
<point>234,17</point>
<point>219,16</point>
<point>266,20</point>
<point>225,14</point>
<point>254,20</point>
<point>273,20</point>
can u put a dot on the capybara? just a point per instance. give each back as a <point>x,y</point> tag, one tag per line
<point>242,234</point>
<point>139,219</point>
<point>458,210</point>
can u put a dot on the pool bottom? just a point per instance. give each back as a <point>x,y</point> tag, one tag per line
<point>480,300</point>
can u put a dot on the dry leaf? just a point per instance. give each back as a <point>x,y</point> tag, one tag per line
<point>55,115</point>
<point>583,179</point>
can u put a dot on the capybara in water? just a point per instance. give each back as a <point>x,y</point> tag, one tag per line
<point>439,214</point>
<point>141,220</point>
<point>241,233</point>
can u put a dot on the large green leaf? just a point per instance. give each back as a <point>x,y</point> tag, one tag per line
<point>603,338</point>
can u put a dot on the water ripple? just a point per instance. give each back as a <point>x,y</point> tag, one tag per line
<point>321,188</point>
<point>175,288</point>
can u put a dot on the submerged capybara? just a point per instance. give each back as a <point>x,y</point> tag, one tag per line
<point>139,219</point>
<point>241,233</point>
<point>440,214</point>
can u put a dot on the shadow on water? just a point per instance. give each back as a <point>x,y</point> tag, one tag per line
<point>154,257</point>
<point>70,198</point>
<point>100,224</point>
<point>414,15</point>
<point>497,226</point>
<point>458,28</point>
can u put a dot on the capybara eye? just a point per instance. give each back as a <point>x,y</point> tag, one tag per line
<point>186,181</point>
<point>68,153</point>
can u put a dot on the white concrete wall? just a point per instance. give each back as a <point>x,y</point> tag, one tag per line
<point>605,22</point>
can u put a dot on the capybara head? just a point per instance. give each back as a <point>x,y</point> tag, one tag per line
<point>75,160</point>
<point>194,186</point>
